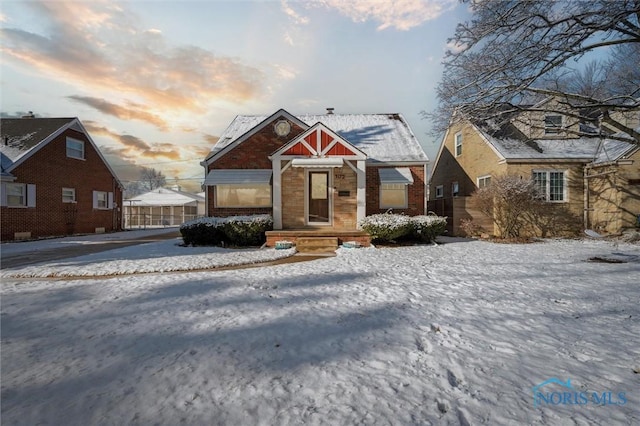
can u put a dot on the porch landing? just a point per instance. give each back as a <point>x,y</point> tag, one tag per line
<point>307,235</point>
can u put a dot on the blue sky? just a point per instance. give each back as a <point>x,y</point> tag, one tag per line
<point>156,81</point>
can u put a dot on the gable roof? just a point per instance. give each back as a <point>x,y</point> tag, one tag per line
<point>512,144</point>
<point>20,138</point>
<point>382,137</point>
<point>21,135</point>
<point>164,197</point>
<point>245,126</point>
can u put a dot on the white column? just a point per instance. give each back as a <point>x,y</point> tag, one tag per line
<point>361,192</point>
<point>277,193</point>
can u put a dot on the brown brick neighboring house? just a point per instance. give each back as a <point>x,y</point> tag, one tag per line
<point>54,180</point>
<point>322,171</point>
<point>597,178</point>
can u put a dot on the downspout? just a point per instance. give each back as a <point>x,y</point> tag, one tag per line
<point>114,207</point>
<point>206,191</point>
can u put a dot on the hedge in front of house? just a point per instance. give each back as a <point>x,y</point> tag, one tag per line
<point>387,227</point>
<point>427,228</point>
<point>230,231</point>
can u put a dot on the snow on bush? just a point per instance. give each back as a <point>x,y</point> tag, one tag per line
<point>233,230</point>
<point>427,228</point>
<point>389,227</point>
<point>386,226</point>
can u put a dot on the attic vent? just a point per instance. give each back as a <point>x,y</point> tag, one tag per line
<point>330,111</point>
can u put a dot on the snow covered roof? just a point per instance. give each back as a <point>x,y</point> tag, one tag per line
<point>383,137</point>
<point>20,135</point>
<point>164,197</point>
<point>514,145</point>
<point>611,150</point>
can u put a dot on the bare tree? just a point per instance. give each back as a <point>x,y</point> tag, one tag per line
<point>151,179</point>
<point>507,201</point>
<point>498,62</point>
<point>517,209</point>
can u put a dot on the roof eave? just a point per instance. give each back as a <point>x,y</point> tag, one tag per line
<point>246,135</point>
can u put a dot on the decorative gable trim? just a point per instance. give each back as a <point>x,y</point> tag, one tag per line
<point>319,141</point>
<point>281,113</point>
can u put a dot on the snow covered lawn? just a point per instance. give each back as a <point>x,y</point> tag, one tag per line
<point>454,334</point>
<point>164,256</point>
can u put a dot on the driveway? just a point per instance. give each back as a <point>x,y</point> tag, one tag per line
<point>13,255</point>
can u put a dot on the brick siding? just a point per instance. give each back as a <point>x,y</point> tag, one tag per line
<point>51,170</point>
<point>251,154</point>
<point>415,205</point>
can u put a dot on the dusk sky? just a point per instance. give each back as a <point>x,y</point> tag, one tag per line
<point>155,82</point>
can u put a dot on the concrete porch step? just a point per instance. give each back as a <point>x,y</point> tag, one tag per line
<point>316,244</point>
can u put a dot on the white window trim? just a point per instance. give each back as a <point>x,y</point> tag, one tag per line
<point>479,178</point>
<point>441,188</point>
<point>456,144</point>
<point>73,190</point>
<point>217,206</point>
<point>553,130</point>
<point>565,189</point>
<point>69,139</point>
<point>455,193</point>
<point>109,200</point>
<point>29,191</point>
<point>406,198</point>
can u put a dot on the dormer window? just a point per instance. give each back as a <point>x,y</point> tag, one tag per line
<point>552,124</point>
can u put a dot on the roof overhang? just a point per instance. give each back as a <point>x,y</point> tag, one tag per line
<point>400,175</point>
<point>321,162</point>
<point>211,157</point>
<point>238,177</point>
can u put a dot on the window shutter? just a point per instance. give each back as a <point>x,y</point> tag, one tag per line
<point>31,195</point>
<point>110,200</point>
<point>95,200</point>
<point>3,194</point>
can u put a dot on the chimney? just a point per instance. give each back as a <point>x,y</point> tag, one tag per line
<point>30,115</point>
<point>330,111</point>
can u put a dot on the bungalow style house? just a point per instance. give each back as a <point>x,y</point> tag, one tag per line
<point>54,180</point>
<point>316,172</point>
<point>162,207</point>
<point>596,177</point>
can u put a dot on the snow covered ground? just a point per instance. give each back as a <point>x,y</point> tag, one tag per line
<point>165,256</point>
<point>453,334</point>
<point>18,247</point>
